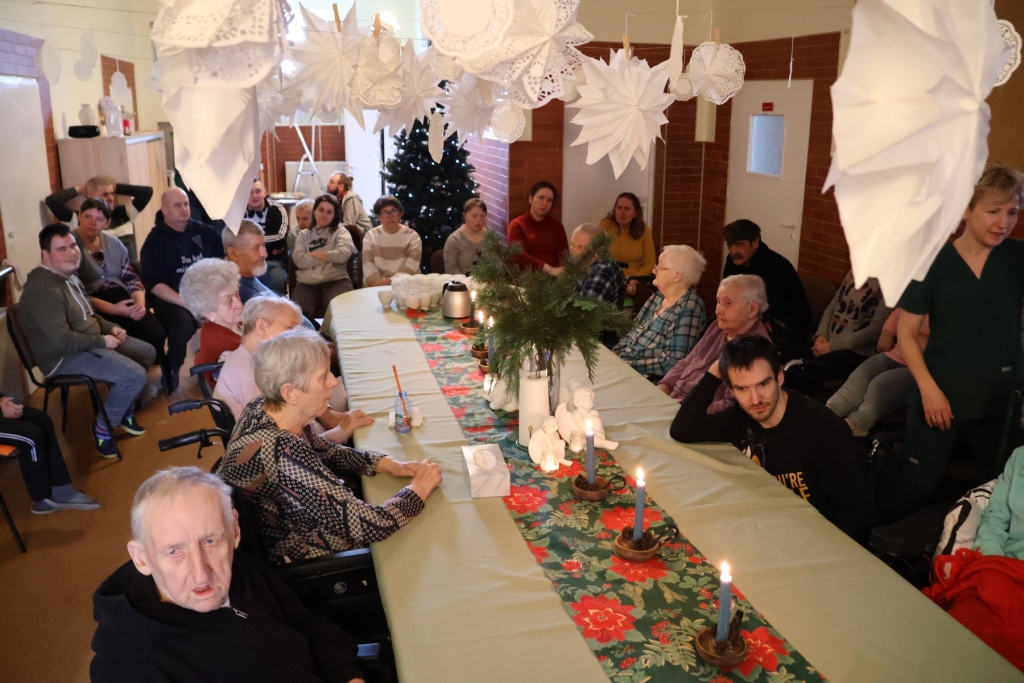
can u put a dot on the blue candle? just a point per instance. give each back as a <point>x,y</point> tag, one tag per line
<point>590,452</point>
<point>724,603</point>
<point>641,498</point>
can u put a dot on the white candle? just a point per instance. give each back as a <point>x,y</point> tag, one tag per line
<point>590,452</point>
<point>472,304</point>
<point>724,603</point>
<point>641,498</point>
<point>490,340</point>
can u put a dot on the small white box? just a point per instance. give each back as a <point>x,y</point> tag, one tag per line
<point>488,473</point>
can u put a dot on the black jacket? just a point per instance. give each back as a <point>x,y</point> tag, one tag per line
<point>787,300</point>
<point>140,194</point>
<point>275,227</point>
<point>811,451</point>
<point>167,253</point>
<point>265,636</point>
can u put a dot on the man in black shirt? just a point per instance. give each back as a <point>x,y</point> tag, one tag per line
<point>801,443</point>
<point>175,243</point>
<point>274,222</point>
<point>101,187</point>
<point>788,317</point>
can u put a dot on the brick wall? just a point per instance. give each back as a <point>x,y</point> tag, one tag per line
<point>109,66</point>
<point>330,146</point>
<point>490,159</point>
<point>539,159</point>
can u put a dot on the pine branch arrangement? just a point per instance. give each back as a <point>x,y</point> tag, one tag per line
<point>537,315</point>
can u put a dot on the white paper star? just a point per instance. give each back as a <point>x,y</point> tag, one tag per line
<point>419,93</point>
<point>468,107</point>
<point>330,60</point>
<point>716,72</point>
<point>376,81</point>
<point>622,107</point>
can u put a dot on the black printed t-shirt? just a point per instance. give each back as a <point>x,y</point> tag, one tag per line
<point>167,253</point>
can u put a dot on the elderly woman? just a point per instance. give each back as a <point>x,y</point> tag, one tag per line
<point>739,305</point>
<point>462,249</point>
<point>633,242</point>
<point>293,476</point>
<point>320,255</point>
<point>668,325</point>
<point>210,290</point>
<point>542,235</point>
<point>391,247</point>
<point>115,290</point>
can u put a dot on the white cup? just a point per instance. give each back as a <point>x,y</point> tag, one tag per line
<point>435,297</point>
<point>385,297</point>
<point>412,302</point>
<point>400,300</point>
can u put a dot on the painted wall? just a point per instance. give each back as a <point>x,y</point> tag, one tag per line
<point>1006,141</point>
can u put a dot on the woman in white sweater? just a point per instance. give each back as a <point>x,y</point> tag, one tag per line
<point>391,247</point>
<point>321,253</point>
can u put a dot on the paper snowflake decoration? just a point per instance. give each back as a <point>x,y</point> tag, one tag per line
<point>716,72</point>
<point>376,81</point>
<point>446,68</point>
<point>537,53</point>
<point>468,107</point>
<point>279,104</point>
<point>622,107</point>
<point>329,60</point>
<point>419,93</point>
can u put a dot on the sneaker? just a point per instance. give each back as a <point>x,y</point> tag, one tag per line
<point>79,501</point>
<point>104,444</point>
<point>131,425</point>
<point>857,433</point>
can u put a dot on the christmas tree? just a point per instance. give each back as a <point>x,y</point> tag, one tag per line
<point>433,194</point>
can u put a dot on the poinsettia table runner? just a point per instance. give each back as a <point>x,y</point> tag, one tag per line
<point>639,618</point>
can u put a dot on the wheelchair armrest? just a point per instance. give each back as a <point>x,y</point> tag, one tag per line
<point>344,561</point>
<point>369,655</point>
<point>204,368</point>
<point>915,535</point>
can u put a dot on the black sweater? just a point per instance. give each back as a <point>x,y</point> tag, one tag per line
<point>167,253</point>
<point>140,194</point>
<point>265,636</point>
<point>811,451</point>
<point>787,300</point>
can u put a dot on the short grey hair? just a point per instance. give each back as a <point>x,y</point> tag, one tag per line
<point>289,358</point>
<point>687,261</point>
<point>204,282</point>
<point>752,289</point>
<point>587,229</point>
<point>167,483</point>
<point>263,307</point>
<point>232,240</point>
<point>304,204</point>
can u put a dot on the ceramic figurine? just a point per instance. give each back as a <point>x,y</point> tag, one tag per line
<point>575,420</point>
<point>499,397</point>
<point>546,439</point>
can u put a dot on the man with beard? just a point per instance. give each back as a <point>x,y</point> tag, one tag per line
<point>799,442</point>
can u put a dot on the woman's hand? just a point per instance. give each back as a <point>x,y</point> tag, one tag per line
<point>398,468</point>
<point>886,342</point>
<point>821,347</point>
<point>353,419</point>
<point>426,479</point>
<point>10,409</point>
<point>937,412</point>
<point>319,255</point>
<point>631,288</point>
<point>552,270</point>
<point>665,389</point>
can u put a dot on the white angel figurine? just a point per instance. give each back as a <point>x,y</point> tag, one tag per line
<point>499,396</point>
<point>575,420</point>
<point>546,439</point>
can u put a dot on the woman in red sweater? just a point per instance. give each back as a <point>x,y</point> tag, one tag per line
<point>543,237</point>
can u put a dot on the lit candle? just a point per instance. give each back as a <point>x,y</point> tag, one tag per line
<point>590,452</point>
<point>472,305</point>
<point>480,318</point>
<point>490,340</point>
<point>724,603</point>
<point>641,498</point>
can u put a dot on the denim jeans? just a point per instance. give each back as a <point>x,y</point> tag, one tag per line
<point>875,389</point>
<point>123,370</point>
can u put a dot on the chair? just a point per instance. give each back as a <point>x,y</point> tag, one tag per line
<point>437,262</point>
<point>355,262</point>
<point>62,382</point>
<point>820,292</point>
<point>11,452</point>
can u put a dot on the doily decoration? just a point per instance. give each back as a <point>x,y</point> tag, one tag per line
<point>435,137</point>
<point>329,59</point>
<point>1013,41</point>
<point>508,121</point>
<point>376,81</point>
<point>82,70</point>
<point>622,108</point>
<point>716,72</point>
<point>47,60</point>
<point>538,52</point>
<point>419,93</point>
<point>446,68</point>
<point>679,83</point>
<point>572,85</point>
<point>464,28</point>
<point>118,83</point>
<point>87,46</point>
<point>468,107</point>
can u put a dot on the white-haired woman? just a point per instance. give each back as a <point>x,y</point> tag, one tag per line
<point>210,290</point>
<point>293,476</point>
<point>669,324</point>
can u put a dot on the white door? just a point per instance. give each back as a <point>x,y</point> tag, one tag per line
<point>24,177</point>
<point>771,125</point>
<point>362,154</point>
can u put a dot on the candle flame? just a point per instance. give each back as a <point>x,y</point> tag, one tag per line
<point>640,475</point>
<point>590,426</point>
<point>480,316</point>
<point>472,295</point>
<point>726,576</point>
<point>490,321</point>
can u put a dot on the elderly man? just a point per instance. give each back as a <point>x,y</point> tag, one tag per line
<point>68,338</point>
<point>273,221</point>
<point>187,608</point>
<point>265,317</point>
<point>101,187</point>
<point>175,243</point>
<point>604,280</point>
<point>739,306</point>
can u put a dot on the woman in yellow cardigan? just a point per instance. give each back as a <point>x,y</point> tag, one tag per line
<point>633,243</point>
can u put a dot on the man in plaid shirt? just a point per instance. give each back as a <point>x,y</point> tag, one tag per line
<point>604,280</point>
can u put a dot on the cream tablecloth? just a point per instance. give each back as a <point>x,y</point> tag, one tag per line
<point>467,601</point>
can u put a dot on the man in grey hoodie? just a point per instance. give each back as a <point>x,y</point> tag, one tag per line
<point>68,338</point>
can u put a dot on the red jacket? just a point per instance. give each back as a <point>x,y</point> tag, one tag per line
<point>543,241</point>
<point>214,340</point>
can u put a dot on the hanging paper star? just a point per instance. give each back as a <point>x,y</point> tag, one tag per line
<point>278,104</point>
<point>716,72</point>
<point>376,81</point>
<point>622,109</point>
<point>330,61</point>
<point>537,53</point>
<point>468,107</point>
<point>419,93</point>
<point>446,68</point>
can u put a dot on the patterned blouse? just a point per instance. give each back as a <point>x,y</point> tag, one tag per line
<point>292,481</point>
<point>657,342</point>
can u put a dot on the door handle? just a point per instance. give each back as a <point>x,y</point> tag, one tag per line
<point>789,226</point>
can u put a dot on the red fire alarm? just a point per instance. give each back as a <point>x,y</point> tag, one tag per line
<point>767,106</point>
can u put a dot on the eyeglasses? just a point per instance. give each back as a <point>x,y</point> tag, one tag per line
<point>390,212</point>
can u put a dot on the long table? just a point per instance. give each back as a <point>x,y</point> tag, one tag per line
<point>467,601</point>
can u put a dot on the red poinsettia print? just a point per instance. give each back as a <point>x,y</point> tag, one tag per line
<point>523,499</point>
<point>573,469</point>
<point>603,619</point>
<point>412,313</point>
<point>459,413</point>
<point>455,335</point>
<point>762,647</point>
<point>431,347</point>
<point>539,552</point>
<point>432,364</point>
<point>453,390</point>
<point>619,517</point>
<point>572,565</point>
<point>476,375</point>
<point>639,571</point>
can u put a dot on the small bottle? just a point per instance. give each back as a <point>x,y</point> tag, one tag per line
<point>403,413</point>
